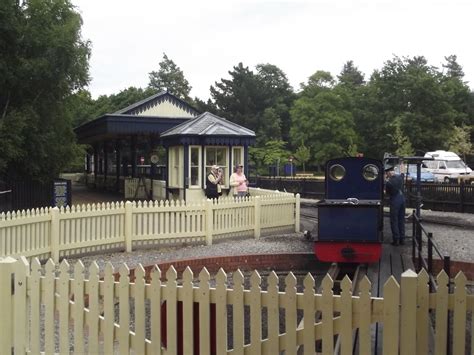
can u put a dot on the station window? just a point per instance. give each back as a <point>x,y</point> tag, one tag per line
<point>337,172</point>
<point>217,156</point>
<point>237,156</point>
<point>194,166</point>
<point>175,167</point>
<point>370,172</point>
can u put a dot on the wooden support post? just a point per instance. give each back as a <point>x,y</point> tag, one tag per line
<point>96,164</point>
<point>257,225</point>
<point>106,163</point>
<point>209,221</point>
<point>88,163</point>
<point>413,242</point>
<point>297,213</point>
<point>6,305</point>
<point>133,155</point>
<point>128,226</point>
<point>117,165</point>
<point>408,313</point>
<point>54,234</point>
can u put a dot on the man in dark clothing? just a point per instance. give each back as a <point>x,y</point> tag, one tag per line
<point>394,189</point>
<point>213,180</point>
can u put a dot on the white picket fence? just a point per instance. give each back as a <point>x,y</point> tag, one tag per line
<point>57,233</point>
<point>55,309</point>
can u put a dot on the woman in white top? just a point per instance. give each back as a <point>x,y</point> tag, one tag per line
<point>238,182</point>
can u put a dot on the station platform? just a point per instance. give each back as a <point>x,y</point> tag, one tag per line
<point>395,260</point>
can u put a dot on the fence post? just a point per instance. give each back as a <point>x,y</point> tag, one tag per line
<point>257,225</point>
<point>128,226</point>
<point>413,219</point>
<point>209,221</point>
<point>462,194</point>
<point>6,305</point>
<point>54,234</point>
<point>447,269</point>
<point>297,213</point>
<point>408,299</point>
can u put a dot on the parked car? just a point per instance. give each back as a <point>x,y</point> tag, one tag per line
<point>426,176</point>
<point>447,166</point>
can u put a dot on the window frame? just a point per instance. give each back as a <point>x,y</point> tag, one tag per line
<point>199,166</point>
<point>241,148</point>
<point>175,169</point>
<point>226,166</point>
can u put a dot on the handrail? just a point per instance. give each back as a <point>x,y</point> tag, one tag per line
<point>417,248</point>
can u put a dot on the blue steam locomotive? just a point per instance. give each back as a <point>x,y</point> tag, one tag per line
<point>350,218</point>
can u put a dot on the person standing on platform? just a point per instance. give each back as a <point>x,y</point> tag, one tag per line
<point>238,182</point>
<point>213,187</point>
<point>394,189</point>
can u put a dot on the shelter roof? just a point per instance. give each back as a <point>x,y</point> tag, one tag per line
<point>208,124</point>
<point>141,107</point>
<point>113,126</point>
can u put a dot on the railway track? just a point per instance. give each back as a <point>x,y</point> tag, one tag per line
<point>337,272</point>
<point>309,216</point>
<point>450,222</point>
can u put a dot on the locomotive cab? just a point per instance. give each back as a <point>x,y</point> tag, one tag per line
<point>350,218</point>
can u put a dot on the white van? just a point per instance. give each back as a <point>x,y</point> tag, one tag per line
<point>446,166</point>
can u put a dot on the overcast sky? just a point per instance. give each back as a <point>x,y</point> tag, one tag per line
<point>207,38</point>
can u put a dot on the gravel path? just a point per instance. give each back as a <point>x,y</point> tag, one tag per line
<point>454,241</point>
<point>286,243</point>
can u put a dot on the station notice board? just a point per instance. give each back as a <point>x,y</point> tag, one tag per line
<point>62,195</point>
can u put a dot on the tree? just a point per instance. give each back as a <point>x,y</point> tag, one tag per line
<point>204,106</point>
<point>324,125</point>
<point>460,141</point>
<point>457,92</point>
<point>410,90</point>
<point>259,101</point>
<point>302,155</point>
<point>270,127</point>
<point>239,98</point>
<point>270,153</point>
<point>321,80</point>
<point>277,95</point>
<point>170,78</point>
<point>453,69</point>
<point>401,142</point>
<point>83,108</point>
<point>43,60</point>
<point>351,75</point>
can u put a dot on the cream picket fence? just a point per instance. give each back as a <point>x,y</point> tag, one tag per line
<point>57,309</point>
<point>57,233</point>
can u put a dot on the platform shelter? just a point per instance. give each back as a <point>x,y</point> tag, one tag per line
<point>160,148</point>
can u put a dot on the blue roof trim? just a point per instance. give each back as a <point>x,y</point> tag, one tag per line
<point>114,126</point>
<point>202,140</point>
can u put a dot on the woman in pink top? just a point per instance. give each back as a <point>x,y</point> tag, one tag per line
<point>238,182</point>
